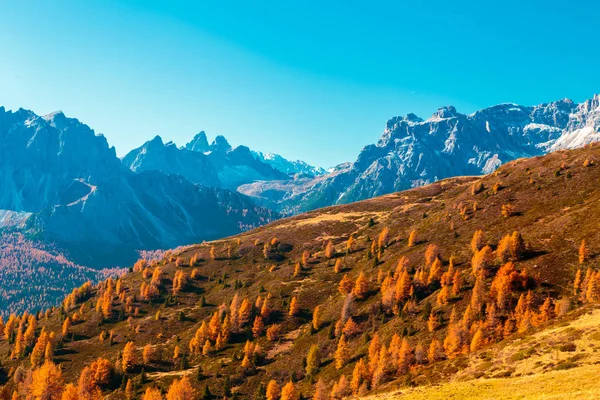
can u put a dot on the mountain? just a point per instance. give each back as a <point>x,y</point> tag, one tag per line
<point>287,166</point>
<point>64,185</point>
<point>469,281</point>
<point>216,165</point>
<point>413,152</point>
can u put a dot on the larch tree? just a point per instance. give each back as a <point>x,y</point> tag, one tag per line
<point>337,267</point>
<point>181,389</point>
<point>478,340</point>
<point>359,376</point>
<point>432,322</point>
<point>349,244</point>
<point>342,353</point>
<point>129,390</point>
<point>66,326</point>
<point>317,318</point>
<point>412,238</point>
<point>383,239</point>
<point>148,354</point>
<point>482,260</point>
<point>436,351</point>
<point>152,393</point>
<point>477,241</point>
<point>435,272</point>
<point>258,327</point>
<point>320,391</point>
<point>504,250</point>
<point>432,252</point>
<point>329,250</point>
<point>70,392</point>
<point>312,360</point>
<point>294,307</point>
<point>128,360</point>
<point>577,283</point>
<point>289,392</point>
<point>47,382</point>
<point>583,252</point>
<point>273,390</point>
<point>517,245</point>
<point>477,293</point>
<point>361,287</point>
<point>346,285</point>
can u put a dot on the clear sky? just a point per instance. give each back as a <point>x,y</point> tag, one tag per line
<point>313,80</point>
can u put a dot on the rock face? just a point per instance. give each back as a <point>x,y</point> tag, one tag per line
<point>215,165</point>
<point>413,152</point>
<point>63,183</point>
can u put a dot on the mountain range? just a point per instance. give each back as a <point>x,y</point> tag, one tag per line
<point>414,152</point>
<point>63,186</point>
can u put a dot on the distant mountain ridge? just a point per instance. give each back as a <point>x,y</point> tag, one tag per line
<point>217,164</point>
<point>413,152</point>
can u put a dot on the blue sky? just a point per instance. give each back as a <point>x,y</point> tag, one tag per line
<point>312,80</point>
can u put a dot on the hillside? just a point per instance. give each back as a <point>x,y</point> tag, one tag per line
<point>390,276</point>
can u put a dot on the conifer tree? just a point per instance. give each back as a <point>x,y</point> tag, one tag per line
<point>129,390</point>
<point>47,382</point>
<point>435,272</point>
<point>577,283</point>
<point>312,360</point>
<point>361,287</point>
<point>374,348</point>
<point>317,318</point>
<point>152,393</point>
<point>289,392</point>
<point>346,285</point>
<point>478,340</point>
<point>477,241</point>
<point>70,392</point>
<point>340,389</point>
<point>181,389</point>
<point>349,244</point>
<point>382,241</point>
<point>482,260</point>
<point>359,376</point>
<point>583,252</point>
<point>329,250</point>
<point>273,390</point>
<point>294,307</point>
<point>337,266</point>
<point>128,360</point>
<point>432,322</point>
<point>435,351</point>
<point>342,353</point>
<point>258,328</point>
<point>320,391</point>
<point>66,326</point>
<point>412,238</point>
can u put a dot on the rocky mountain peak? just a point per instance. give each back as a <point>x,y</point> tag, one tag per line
<point>445,112</point>
<point>220,144</point>
<point>198,143</point>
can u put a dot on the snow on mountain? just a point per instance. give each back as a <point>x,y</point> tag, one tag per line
<point>413,152</point>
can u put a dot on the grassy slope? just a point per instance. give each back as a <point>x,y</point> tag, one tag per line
<point>559,362</point>
<point>555,212</point>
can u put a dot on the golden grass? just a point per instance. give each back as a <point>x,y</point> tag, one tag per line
<point>576,383</point>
